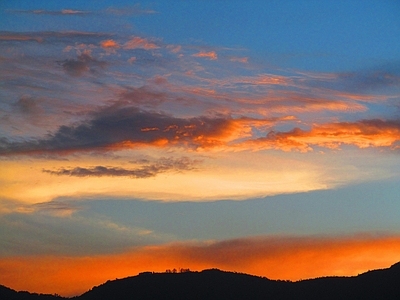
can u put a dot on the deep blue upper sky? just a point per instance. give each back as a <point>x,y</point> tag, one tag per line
<point>309,35</point>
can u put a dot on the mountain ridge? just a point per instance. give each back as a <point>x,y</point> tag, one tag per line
<point>217,284</point>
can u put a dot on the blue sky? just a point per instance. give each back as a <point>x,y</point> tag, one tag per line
<point>157,129</point>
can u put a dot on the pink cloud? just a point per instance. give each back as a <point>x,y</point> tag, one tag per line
<point>212,55</point>
<point>140,43</point>
<point>243,60</point>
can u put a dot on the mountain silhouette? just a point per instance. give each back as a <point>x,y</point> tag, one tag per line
<point>9,294</point>
<point>216,284</point>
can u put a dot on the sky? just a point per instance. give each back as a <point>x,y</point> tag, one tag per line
<point>259,137</point>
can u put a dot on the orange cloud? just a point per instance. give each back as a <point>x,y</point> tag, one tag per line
<point>363,134</point>
<point>210,55</point>
<point>109,44</point>
<point>140,43</point>
<point>292,258</point>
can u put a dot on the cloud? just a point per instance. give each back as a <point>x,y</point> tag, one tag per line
<point>59,227</point>
<point>276,257</point>
<point>132,60</point>
<point>28,106</point>
<point>143,95</point>
<point>52,37</point>
<point>243,60</point>
<point>109,44</point>
<point>174,48</point>
<point>13,36</point>
<point>63,12</point>
<point>123,127</point>
<point>149,170</point>
<point>362,134</point>
<point>140,43</point>
<point>84,63</point>
<point>57,208</point>
<point>135,10</point>
<point>212,55</point>
<point>132,10</point>
<point>372,79</point>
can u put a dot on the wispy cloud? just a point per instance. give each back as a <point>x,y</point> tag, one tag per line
<point>53,36</point>
<point>56,227</point>
<point>143,96</point>
<point>140,43</point>
<point>243,60</point>
<point>131,10</point>
<point>57,208</point>
<point>51,12</point>
<point>8,36</point>
<point>212,55</point>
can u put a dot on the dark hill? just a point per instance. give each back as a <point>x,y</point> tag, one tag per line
<point>208,284</point>
<point>9,294</point>
<point>216,284</point>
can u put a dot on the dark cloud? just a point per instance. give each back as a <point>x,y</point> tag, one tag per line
<point>84,63</point>
<point>117,127</point>
<point>149,170</point>
<point>376,78</point>
<point>28,105</point>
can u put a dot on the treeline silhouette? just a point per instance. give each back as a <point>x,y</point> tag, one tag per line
<point>215,284</point>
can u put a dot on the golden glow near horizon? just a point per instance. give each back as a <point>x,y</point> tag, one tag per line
<point>284,258</point>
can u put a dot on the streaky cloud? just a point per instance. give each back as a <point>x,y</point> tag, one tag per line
<point>63,12</point>
<point>140,43</point>
<point>134,10</point>
<point>149,170</point>
<point>362,134</point>
<point>212,55</point>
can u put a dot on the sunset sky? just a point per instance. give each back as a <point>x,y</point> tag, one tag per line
<point>260,137</point>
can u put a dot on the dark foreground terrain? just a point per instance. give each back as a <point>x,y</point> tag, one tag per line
<point>216,284</point>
